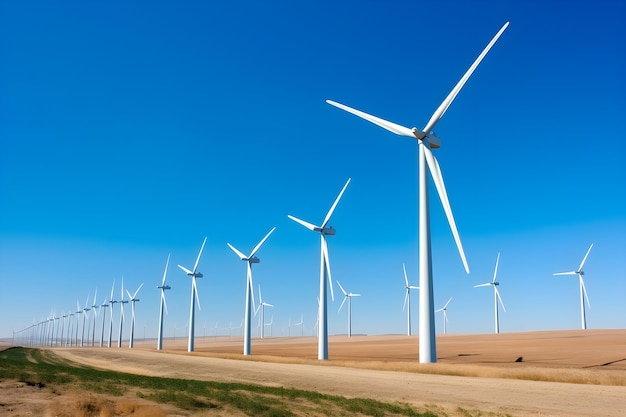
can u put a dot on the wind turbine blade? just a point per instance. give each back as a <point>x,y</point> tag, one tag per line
<point>390,126</point>
<point>438,114</point>
<point>406,279</point>
<point>237,252</point>
<point>268,305</point>
<point>327,262</point>
<point>566,273</point>
<point>136,292</point>
<point>582,283</point>
<point>332,208</point>
<point>443,196</point>
<point>342,290</point>
<point>195,266</point>
<point>94,297</point>
<point>354,295</point>
<point>406,297</point>
<point>303,223</point>
<point>129,296</point>
<point>164,302</point>
<point>483,285</point>
<point>446,305</point>
<point>256,248</point>
<point>342,303</point>
<point>580,268</point>
<point>165,271</point>
<point>250,285</point>
<point>196,292</point>
<point>414,287</point>
<point>495,271</point>
<point>499,298</point>
<point>112,289</point>
<point>188,272</point>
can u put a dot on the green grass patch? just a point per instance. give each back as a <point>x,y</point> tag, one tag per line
<point>45,369</point>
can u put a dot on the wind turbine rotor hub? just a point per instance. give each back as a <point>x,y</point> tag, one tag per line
<point>495,283</point>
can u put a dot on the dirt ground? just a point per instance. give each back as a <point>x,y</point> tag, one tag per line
<point>386,368</point>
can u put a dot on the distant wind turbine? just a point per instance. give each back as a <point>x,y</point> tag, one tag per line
<point>347,296</point>
<point>262,305</point>
<point>445,315</point>
<point>325,276</point>
<point>94,309</point>
<point>496,294</point>
<point>85,317</point>
<point>407,301</point>
<point>163,305</point>
<point>122,302</point>
<point>249,307</point>
<point>111,301</point>
<point>583,290</point>
<point>104,304</point>
<point>194,297</point>
<point>301,322</point>
<point>428,140</point>
<point>133,299</point>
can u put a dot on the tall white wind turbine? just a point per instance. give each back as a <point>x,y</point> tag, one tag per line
<point>262,305</point>
<point>496,294</point>
<point>347,296</point>
<point>322,331</point>
<point>133,299</point>
<point>428,140</point>
<point>194,297</point>
<point>122,302</point>
<point>407,301</point>
<point>104,305</point>
<point>94,309</point>
<point>445,315</point>
<point>163,305</point>
<point>112,302</point>
<point>301,322</point>
<point>85,318</point>
<point>250,259</point>
<point>583,290</point>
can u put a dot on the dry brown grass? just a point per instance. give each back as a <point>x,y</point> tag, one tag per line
<point>92,405</point>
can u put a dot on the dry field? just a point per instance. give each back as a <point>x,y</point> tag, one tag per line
<point>561,373</point>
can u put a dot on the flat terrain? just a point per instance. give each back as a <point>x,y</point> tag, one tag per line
<point>475,372</point>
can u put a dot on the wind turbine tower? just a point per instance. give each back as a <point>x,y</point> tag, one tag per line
<point>347,296</point>
<point>407,301</point>
<point>104,304</point>
<point>583,290</point>
<point>163,305</point>
<point>325,276</point>
<point>250,259</point>
<point>133,299</point>
<point>428,140</point>
<point>94,308</point>
<point>194,297</point>
<point>496,294</point>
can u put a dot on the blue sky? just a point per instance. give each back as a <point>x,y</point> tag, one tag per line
<point>132,130</point>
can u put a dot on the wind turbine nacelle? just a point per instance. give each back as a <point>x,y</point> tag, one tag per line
<point>434,141</point>
<point>198,275</point>
<point>329,231</point>
<point>254,260</point>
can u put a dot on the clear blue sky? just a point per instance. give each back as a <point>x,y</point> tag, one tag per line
<point>130,130</point>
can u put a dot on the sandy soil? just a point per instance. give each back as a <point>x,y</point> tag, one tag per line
<point>291,362</point>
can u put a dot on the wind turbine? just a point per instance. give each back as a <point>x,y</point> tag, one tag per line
<point>122,302</point>
<point>69,330</point>
<point>262,305</point>
<point>104,304</point>
<point>94,307</point>
<point>79,311</point>
<point>322,331</point>
<point>133,299</point>
<point>583,290</point>
<point>301,322</point>
<point>163,304</point>
<point>347,296</point>
<point>445,315</point>
<point>407,301</point>
<point>194,296</point>
<point>111,301</point>
<point>85,318</point>
<point>250,259</point>
<point>271,323</point>
<point>428,140</point>
<point>496,293</point>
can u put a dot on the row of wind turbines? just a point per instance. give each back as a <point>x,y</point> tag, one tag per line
<point>427,141</point>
